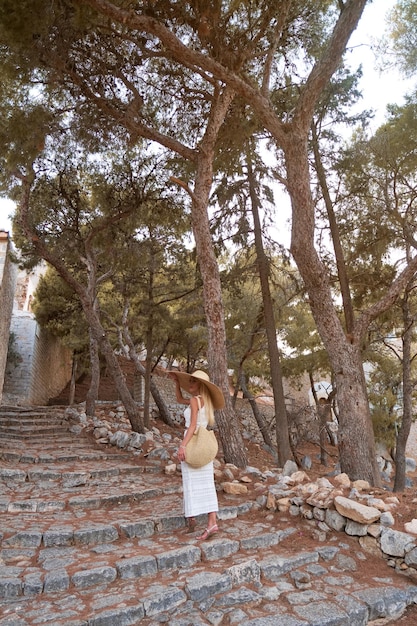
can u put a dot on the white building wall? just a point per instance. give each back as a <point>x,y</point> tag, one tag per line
<point>8,275</point>
<point>41,366</point>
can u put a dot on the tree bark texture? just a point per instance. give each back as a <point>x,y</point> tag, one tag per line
<point>92,393</point>
<point>229,428</point>
<point>356,438</point>
<point>334,229</point>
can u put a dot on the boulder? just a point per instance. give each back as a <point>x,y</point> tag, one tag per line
<point>356,511</point>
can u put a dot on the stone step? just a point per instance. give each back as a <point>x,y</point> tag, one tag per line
<point>133,549</point>
<point>49,441</point>
<point>24,411</point>
<point>207,599</point>
<point>11,475</point>
<point>34,423</point>
<point>33,418</point>
<point>48,526</point>
<point>75,454</point>
<point>91,535</point>
<point>56,434</point>
<point>113,498</point>
<point>224,580</point>
<point>85,565</point>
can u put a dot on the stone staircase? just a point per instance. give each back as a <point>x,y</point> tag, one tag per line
<point>91,535</point>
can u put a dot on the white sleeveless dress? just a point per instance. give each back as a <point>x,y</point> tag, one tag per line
<point>199,490</point>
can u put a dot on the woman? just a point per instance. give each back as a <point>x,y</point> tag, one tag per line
<point>199,490</point>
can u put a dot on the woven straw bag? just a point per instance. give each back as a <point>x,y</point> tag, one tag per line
<point>202,448</point>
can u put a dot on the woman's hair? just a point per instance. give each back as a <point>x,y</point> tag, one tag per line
<point>208,403</point>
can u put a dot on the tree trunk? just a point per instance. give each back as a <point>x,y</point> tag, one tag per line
<point>404,431</point>
<point>281,419</point>
<point>87,303</point>
<point>260,420</point>
<point>161,404</point>
<point>334,229</point>
<point>114,368</point>
<point>148,370</point>
<point>229,428</point>
<point>323,409</point>
<point>356,439</point>
<point>149,338</point>
<point>73,379</point>
<point>159,400</point>
<point>323,412</point>
<point>92,393</point>
<point>138,387</point>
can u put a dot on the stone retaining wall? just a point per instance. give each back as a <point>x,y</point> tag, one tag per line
<point>8,275</point>
<point>43,366</point>
<point>351,507</point>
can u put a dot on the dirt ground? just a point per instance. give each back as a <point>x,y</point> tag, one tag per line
<point>404,512</point>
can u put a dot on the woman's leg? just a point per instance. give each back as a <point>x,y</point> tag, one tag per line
<point>191,524</point>
<point>212,527</point>
<point>212,519</point>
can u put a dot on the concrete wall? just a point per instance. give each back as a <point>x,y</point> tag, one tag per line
<point>43,366</point>
<point>8,275</point>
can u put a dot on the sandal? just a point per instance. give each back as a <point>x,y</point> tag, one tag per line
<point>191,524</point>
<point>208,532</point>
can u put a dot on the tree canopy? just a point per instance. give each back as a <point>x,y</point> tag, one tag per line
<point>188,81</point>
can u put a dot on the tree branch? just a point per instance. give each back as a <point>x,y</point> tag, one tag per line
<point>328,62</point>
<point>386,301</point>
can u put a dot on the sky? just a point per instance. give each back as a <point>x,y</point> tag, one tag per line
<point>379,88</point>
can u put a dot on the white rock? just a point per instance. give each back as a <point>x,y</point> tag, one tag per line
<point>297,478</point>
<point>411,527</point>
<point>342,480</point>
<point>361,485</point>
<point>379,504</point>
<point>323,483</point>
<point>356,511</point>
<point>234,488</point>
<point>307,490</point>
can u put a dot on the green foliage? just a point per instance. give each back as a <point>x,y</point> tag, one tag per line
<point>403,33</point>
<point>301,347</point>
<point>384,384</point>
<point>58,309</point>
<point>376,212</point>
<point>79,90</point>
<point>384,426</point>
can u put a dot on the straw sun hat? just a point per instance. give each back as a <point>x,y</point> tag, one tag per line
<point>216,393</point>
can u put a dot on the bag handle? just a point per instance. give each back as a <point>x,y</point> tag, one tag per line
<point>199,408</point>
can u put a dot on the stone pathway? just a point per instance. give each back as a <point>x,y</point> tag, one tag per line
<point>94,536</point>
